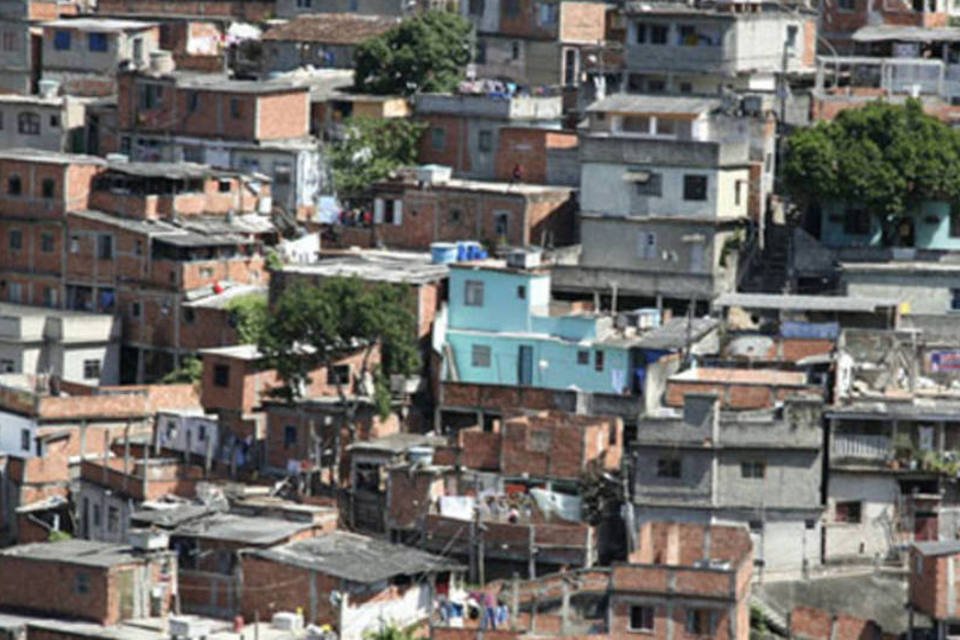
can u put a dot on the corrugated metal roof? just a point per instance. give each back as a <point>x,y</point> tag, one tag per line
<point>881,33</point>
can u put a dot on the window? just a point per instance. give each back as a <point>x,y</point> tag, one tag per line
<point>473,293</point>
<point>14,292</point>
<point>201,433</point>
<point>515,50</point>
<point>641,618</point>
<point>28,124</point>
<point>658,34</point>
<point>61,40</point>
<point>669,468</point>
<point>7,366</point>
<point>642,36</point>
<point>150,95</point>
<point>304,4</point>
<point>189,315</point>
<point>105,246</point>
<point>501,224</point>
<point>234,107</point>
<point>647,245</point>
<point>480,356</point>
<point>848,512</point>
<point>193,101</point>
<point>485,141</point>
<point>686,87</point>
<point>9,41</point>
<point>666,127</point>
<point>289,436</point>
<point>598,360</point>
<point>49,297</point>
<point>54,121</point>
<point>790,40</point>
<point>810,524</point>
<point>480,53</point>
<point>547,14</point>
<point>753,469</point>
<point>636,124</point>
<point>134,309</point>
<point>856,221</point>
<point>652,186</point>
<point>138,248</point>
<point>847,5</point>
<point>438,138</point>
<point>687,35</point>
<point>700,622</point>
<point>694,187</point>
<point>476,7</point>
<point>91,369</point>
<point>96,516</point>
<point>47,188</point>
<point>81,580</point>
<point>522,292</point>
<point>223,186</point>
<point>583,356</point>
<point>221,375</point>
<point>113,519</point>
<point>16,239</point>
<point>955,299</point>
<point>97,42</point>
<point>511,8</point>
<point>338,374</point>
<point>14,185</point>
<point>25,439</point>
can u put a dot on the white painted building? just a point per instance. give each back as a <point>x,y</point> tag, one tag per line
<point>76,346</point>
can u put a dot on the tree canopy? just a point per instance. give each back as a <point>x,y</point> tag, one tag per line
<point>315,326</point>
<point>249,315</point>
<point>370,150</point>
<point>428,52</point>
<point>886,157</point>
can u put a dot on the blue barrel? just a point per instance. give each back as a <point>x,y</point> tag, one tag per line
<point>443,252</point>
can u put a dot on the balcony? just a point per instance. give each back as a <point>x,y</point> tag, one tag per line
<point>861,447</point>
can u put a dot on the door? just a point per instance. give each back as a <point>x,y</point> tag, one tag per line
<point>525,366</point>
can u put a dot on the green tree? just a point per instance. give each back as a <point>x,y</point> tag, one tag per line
<point>426,53</point>
<point>315,326</point>
<point>886,157</point>
<point>190,372</point>
<point>389,631</point>
<point>249,315</point>
<point>370,150</point>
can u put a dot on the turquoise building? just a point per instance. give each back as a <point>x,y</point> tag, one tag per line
<point>500,330</point>
<point>934,226</point>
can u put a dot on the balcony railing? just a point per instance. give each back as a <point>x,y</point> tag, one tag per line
<point>860,447</point>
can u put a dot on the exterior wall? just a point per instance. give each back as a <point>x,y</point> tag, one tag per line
<point>248,10</point>
<point>16,61</point>
<point>282,55</point>
<point>603,189</point>
<point>51,590</point>
<point>103,515</point>
<point>450,215</point>
<point>293,8</point>
<point>807,623</point>
<point>875,533</point>
<point>79,58</point>
<point>530,148</point>
<point>924,292</point>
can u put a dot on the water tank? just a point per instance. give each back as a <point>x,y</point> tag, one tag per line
<point>287,621</point>
<point>433,174</point>
<point>161,62</point>
<point>420,454</point>
<point>523,259</point>
<point>443,252</point>
<point>48,88</point>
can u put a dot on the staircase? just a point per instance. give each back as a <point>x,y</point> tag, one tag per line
<point>766,271</point>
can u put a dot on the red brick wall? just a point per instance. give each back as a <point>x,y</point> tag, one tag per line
<point>270,587</point>
<point>527,146</point>
<point>250,10</point>
<point>454,153</point>
<point>524,23</point>
<point>928,588</point>
<point>582,22</point>
<point>285,115</point>
<point>807,623</point>
<point>48,588</point>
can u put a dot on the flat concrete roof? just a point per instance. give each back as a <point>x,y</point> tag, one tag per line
<point>741,376</point>
<point>634,103</point>
<point>377,266</point>
<point>257,530</point>
<point>848,304</point>
<point>88,553</point>
<point>112,25</point>
<point>50,157</point>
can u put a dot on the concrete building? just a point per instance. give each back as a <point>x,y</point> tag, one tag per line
<point>667,183</point>
<point>81,347</point>
<point>92,581</point>
<point>325,40</point>
<point>84,54</point>
<point>463,130</point>
<point>706,47</point>
<point>370,580</point>
<point>762,469</point>
<point>49,123</point>
<point>22,40</point>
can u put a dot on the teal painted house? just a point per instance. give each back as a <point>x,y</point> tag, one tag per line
<point>501,329</point>
<point>934,226</point>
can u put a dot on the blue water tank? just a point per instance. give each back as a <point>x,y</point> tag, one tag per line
<point>443,252</point>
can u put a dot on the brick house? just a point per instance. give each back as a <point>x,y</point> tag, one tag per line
<point>535,42</point>
<point>367,580</point>
<point>86,580</point>
<point>463,130</point>
<point>251,126</point>
<point>244,10</point>
<point>688,578</point>
<point>933,570</point>
<point>410,214</point>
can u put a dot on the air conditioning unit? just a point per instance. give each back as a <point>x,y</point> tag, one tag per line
<point>287,621</point>
<point>523,259</point>
<point>147,540</point>
<point>184,628</point>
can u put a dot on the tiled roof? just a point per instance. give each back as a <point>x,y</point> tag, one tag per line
<point>331,28</point>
